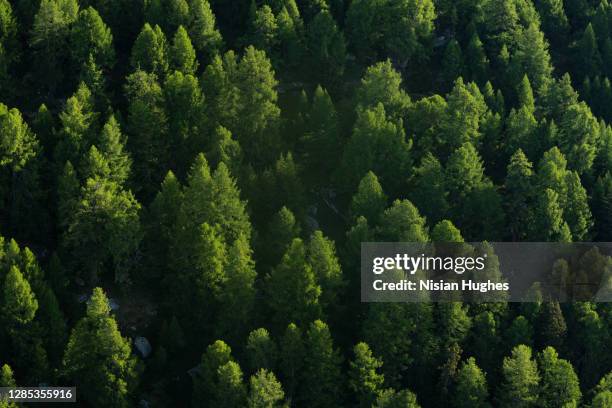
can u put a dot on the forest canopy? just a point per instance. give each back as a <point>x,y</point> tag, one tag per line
<point>185,185</point>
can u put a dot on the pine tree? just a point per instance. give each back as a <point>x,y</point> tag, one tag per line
<point>98,359</point>
<point>559,383</point>
<point>588,54</point>
<point>445,231</point>
<point>19,304</point>
<point>265,391</point>
<point>263,32</point>
<point>521,378</point>
<point>216,355</point>
<point>520,189</point>
<point>477,62</point>
<point>471,386</point>
<point>428,190</point>
<point>147,126</point>
<point>365,381</point>
<point>238,297</point>
<point>370,200</point>
<point>375,135</point>
<point>326,49</point>
<point>291,358</point>
<point>402,223</point>
<point>381,83</point>
<point>452,62</point>
<point>321,384</point>
<point>150,51</point>
<point>262,350</point>
<point>320,142</point>
<point>293,288</point>
<point>111,146</point>
<point>50,32</point>
<point>390,398</point>
<point>577,212</point>
<point>465,108</point>
<point>182,55</point>
<point>230,390</point>
<point>104,212</point>
<point>321,255</point>
<point>206,38</point>
<point>89,36</point>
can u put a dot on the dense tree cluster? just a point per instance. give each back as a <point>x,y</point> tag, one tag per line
<point>202,174</point>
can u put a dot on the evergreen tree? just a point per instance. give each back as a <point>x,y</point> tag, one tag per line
<point>262,350</point>
<point>293,289</point>
<point>206,37</point>
<point>90,37</point>
<point>291,358</point>
<point>98,359</point>
<point>265,391</point>
<point>521,378</point>
<point>326,49</point>
<point>230,390</point>
<point>19,302</point>
<point>365,381</point>
<point>321,367</point>
<point>150,51</point>
<point>370,200</point>
<point>471,389</point>
<point>182,54</point>
<point>560,385</point>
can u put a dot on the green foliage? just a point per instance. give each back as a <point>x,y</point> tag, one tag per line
<point>182,54</point>
<point>365,381</point>
<point>471,389</point>
<point>98,359</point>
<point>521,379</point>
<point>265,391</point>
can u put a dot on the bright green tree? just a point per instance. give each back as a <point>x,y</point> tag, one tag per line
<point>98,359</point>
<point>519,387</point>
<point>365,381</point>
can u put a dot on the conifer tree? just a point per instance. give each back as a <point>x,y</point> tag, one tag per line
<point>521,378</point>
<point>230,390</point>
<point>402,223</point>
<point>262,350</point>
<point>98,359</point>
<point>206,38</point>
<point>321,367</point>
<point>293,289</point>
<point>89,36</point>
<point>365,381</point>
<point>370,200</point>
<point>265,391</point>
<point>471,389</point>
<point>559,383</point>
<point>150,51</point>
<point>291,358</point>
<point>182,54</point>
<point>19,304</point>
<point>429,192</point>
